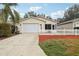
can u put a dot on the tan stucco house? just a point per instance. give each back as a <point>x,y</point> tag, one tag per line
<point>37,24</point>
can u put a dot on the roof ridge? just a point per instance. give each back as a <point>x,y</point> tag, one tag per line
<point>39,19</point>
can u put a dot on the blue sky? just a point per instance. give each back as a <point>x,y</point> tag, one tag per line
<point>55,10</point>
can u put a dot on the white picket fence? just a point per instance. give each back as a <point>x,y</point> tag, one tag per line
<point>68,32</point>
<point>62,32</point>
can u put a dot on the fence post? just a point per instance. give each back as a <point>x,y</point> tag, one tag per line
<point>64,32</point>
<point>75,32</point>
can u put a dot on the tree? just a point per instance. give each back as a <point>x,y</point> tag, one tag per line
<point>43,15</point>
<point>32,14</point>
<point>60,20</point>
<point>16,16</point>
<point>26,15</point>
<point>8,12</point>
<point>72,12</point>
<point>48,17</point>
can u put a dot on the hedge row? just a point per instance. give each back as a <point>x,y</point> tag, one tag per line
<point>5,30</point>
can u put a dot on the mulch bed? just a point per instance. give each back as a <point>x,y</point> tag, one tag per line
<point>46,37</point>
<point>1,38</point>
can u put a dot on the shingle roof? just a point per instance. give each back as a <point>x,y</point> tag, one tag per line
<point>70,21</point>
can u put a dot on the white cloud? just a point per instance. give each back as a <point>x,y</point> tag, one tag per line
<point>57,14</point>
<point>67,8</point>
<point>35,8</point>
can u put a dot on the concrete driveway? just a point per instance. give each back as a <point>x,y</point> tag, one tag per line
<point>21,45</point>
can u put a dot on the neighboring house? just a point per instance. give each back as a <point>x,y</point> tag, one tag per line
<point>65,25</point>
<point>37,24</point>
<point>68,25</point>
<point>76,23</point>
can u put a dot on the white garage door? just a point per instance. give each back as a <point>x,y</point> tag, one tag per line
<point>30,27</point>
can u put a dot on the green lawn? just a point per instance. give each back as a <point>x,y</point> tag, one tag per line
<point>61,47</point>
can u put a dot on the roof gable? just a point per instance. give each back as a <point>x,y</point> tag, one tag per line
<point>42,19</point>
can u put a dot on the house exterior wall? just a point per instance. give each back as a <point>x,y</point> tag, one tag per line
<point>39,21</point>
<point>67,26</point>
<point>76,22</point>
<point>46,22</point>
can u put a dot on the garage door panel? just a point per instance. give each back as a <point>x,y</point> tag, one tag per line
<point>31,27</point>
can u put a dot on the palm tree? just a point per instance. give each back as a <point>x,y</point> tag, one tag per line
<point>8,12</point>
<point>16,16</point>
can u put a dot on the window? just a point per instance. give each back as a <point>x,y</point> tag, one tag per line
<point>76,27</point>
<point>47,26</point>
<point>53,27</point>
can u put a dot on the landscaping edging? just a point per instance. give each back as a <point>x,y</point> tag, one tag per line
<point>46,37</point>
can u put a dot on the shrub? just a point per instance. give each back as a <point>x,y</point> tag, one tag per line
<point>5,29</point>
<point>14,29</point>
<point>17,30</point>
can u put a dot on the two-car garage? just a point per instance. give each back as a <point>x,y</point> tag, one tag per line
<point>30,27</point>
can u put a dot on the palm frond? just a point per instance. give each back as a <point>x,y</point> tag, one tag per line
<point>17,16</point>
<point>12,16</point>
<point>8,12</point>
<point>5,13</point>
